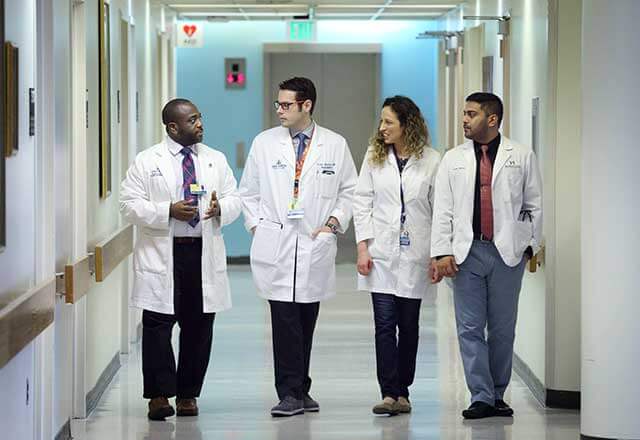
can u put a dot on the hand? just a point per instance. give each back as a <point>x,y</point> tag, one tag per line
<point>214,207</point>
<point>364,262</point>
<point>184,210</point>
<point>315,233</point>
<point>446,266</point>
<point>434,275</point>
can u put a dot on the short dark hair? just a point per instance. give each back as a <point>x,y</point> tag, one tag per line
<point>169,110</point>
<point>489,103</point>
<point>303,87</point>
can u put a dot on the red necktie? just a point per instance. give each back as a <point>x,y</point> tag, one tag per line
<point>486,206</point>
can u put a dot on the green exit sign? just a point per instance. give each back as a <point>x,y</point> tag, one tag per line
<point>301,30</point>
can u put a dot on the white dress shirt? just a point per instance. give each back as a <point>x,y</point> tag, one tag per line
<point>183,229</point>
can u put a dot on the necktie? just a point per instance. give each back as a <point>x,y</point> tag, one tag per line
<point>301,145</point>
<point>189,177</point>
<point>486,205</point>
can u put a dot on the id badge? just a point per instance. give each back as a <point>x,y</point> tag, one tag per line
<point>197,189</point>
<point>295,210</point>
<point>404,239</point>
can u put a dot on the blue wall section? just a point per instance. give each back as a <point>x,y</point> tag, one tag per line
<point>409,67</point>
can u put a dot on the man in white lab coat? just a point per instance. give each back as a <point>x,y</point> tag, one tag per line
<point>179,193</point>
<point>296,190</point>
<point>487,223</point>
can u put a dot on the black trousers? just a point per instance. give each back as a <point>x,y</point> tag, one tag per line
<point>397,328</point>
<point>161,377</point>
<point>292,326</point>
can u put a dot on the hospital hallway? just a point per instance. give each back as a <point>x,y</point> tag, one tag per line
<point>238,390</point>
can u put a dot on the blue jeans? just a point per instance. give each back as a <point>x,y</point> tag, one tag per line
<point>397,327</point>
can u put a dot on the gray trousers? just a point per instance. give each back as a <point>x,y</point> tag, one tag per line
<point>486,293</point>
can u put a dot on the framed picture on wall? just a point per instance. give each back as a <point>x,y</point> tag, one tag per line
<point>11,90</point>
<point>104,100</point>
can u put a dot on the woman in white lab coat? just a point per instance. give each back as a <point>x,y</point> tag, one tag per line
<point>392,216</point>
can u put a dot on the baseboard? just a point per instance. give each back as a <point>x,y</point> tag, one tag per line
<point>530,379</point>
<point>546,397</point>
<point>93,396</point>
<point>238,260</point>
<point>65,432</point>
<point>563,399</point>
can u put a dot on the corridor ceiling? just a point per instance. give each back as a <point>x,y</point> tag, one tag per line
<point>317,9</point>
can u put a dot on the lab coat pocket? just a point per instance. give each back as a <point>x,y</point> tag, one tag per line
<point>323,252</point>
<point>266,242</point>
<point>152,254</point>
<point>327,182</point>
<point>523,235</point>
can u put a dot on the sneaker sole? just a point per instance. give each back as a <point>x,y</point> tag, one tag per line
<point>187,413</point>
<point>383,411</point>
<point>312,409</point>
<point>278,413</point>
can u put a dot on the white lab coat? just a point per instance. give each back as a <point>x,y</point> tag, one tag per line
<point>282,249</point>
<point>145,196</point>
<point>397,270</point>
<point>516,188</point>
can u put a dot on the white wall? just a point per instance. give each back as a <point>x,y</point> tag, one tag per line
<point>18,260</point>
<point>610,209</point>
<point>58,215</point>
<point>563,189</point>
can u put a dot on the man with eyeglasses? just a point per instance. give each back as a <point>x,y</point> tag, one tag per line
<point>296,190</point>
<point>179,193</point>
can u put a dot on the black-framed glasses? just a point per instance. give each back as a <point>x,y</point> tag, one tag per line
<point>285,105</point>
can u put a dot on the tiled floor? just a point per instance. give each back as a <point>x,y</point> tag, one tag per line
<point>239,392</point>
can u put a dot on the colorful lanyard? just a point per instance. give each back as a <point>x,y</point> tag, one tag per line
<point>299,164</point>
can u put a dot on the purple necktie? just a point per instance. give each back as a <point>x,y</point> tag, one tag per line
<point>189,177</point>
<point>486,204</point>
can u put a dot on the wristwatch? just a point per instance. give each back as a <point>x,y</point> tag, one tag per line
<point>333,227</point>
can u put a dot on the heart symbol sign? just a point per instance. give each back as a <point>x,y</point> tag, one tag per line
<point>189,30</point>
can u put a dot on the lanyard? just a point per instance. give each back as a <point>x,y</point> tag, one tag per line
<point>403,214</point>
<point>299,164</point>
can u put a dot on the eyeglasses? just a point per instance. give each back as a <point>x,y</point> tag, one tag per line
<point>285,105</point>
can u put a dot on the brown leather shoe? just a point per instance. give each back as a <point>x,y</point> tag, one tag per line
<point>387,406</point>
<point>159,408</point>
<point>187,407</point>
<point>403,405</point>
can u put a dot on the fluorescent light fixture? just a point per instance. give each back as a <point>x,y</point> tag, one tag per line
<point>241,6</point>
<point>390,6</point>
<point>382,15</point>
<point>239,14</point>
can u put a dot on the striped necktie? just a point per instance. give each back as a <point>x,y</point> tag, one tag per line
<point>189,177</point>
<point>486,204</point>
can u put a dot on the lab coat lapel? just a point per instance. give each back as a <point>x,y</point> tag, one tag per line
<point>315,151</point>
<point>504,153</point>
<point>163,162</point>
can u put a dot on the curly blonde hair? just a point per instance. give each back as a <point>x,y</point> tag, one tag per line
<point>415,132</point>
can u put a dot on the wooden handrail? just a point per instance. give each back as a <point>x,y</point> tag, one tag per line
<point>111,251</point>
<point>78,279</point>
<point>24,317</point>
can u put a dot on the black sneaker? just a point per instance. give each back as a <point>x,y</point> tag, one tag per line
<point>503,409</point>
<point>310,405</point>
<point>479,410</point>
<point>289,406</point>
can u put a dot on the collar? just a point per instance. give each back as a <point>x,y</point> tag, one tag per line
<point>308,132</point>
<point>493,145</point>
<point>175,148</point>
